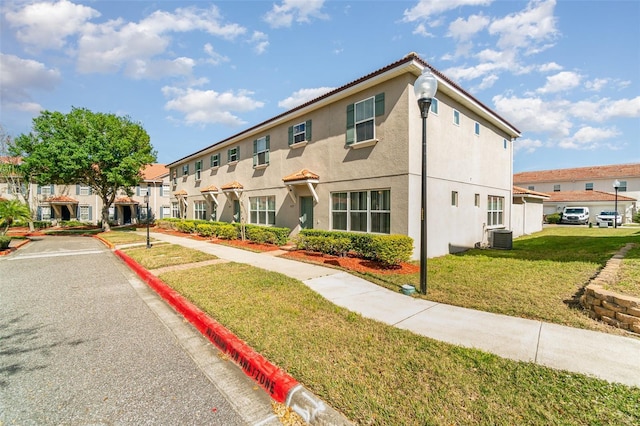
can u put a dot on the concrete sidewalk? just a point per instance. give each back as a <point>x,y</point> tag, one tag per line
<point>606,356</point>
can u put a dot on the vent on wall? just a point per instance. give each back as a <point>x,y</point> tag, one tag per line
<point>502,239</point>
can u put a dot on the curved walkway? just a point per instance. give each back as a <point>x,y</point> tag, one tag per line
<point>606,356</point>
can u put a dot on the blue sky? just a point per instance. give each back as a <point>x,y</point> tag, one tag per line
<point>566,73</point>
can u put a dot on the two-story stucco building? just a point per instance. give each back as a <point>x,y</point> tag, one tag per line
<point>587,186</point>
<point>57,203</point>
<point>351,160</point>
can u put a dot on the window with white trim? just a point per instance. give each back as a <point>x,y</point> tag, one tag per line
<point>556,188</point>
<point>166,211</point>
<point>233,155</point>
<point>84,214</point>
<point>200,210</point>
<point>361,211</point>
<point>454,198</point>
<point>198,169</point>
<point>456,117</point>
<point>185,170</point>
<point>623,186</point>
<point>84,190</point>
<point>175,212</point>
<point>476,200</point>
<point>45,190</point>
<point>495,211</point>
<point>144,190</point>
<point>477,129</point>
<point>45,213</point>
<point>166,190</point>
<point>588,186</point>
<point>361,122</point>
<point>262,210</point>
<point>215,160</point>
<point>261,151</point>
<point>299,132</point>
<point>434,106</point>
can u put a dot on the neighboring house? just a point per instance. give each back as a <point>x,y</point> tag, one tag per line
<point>350,160</point>
<point>57,203</point>
<point>586,186</point>
<point>527,214</point>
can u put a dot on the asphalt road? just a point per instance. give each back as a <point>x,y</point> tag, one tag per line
<point>84,342</point>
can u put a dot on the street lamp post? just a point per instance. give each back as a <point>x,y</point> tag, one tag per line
<point>616,186</point>
<point>425,88</point>
<point>146,200</point>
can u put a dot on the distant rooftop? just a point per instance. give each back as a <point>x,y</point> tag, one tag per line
<point>616,171</point>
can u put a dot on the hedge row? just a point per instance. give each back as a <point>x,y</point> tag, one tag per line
<point>388,249</point>
<point>227,231</point>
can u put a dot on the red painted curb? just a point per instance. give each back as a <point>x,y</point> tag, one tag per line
<point>272,379</point>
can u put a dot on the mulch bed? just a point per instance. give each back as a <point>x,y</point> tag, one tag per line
<point>348,262</point>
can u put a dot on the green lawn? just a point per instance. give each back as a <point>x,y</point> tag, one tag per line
<point>541,278</point>
<point>166,255</point>
<point>380,375</point>
<point>629,274</point>
<point>123,236</point>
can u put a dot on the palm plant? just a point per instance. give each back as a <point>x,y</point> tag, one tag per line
<point>10,212</point>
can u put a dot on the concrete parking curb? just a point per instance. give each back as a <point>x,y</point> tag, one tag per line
<point>278,384</point>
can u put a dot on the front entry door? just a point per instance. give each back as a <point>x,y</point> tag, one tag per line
<point>306,212</point>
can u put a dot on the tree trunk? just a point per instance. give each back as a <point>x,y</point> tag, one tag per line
<point>105,216</point>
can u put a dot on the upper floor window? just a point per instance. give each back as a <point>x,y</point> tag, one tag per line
<point>477,129</point>
<point>215,160</point>
<point>476,200</point>
<point>198,169</point>
<point>165,190</point>
<point>143,190</point>
<point>299,133</point>
<point>456,117</point>
<point>531,188</point>
<point>84,190</point>
<point>454,198</point>
<point>45,190</point>
<point>185,170</point>
<point>361,119</point>
<point>588,186</point>
<point>434,106</point>
<point>174,177</point>
<point>556,188</point>
<point>504,143</point>
<point>233,154</point>
<point>261,151</point>
<point>623,186</point>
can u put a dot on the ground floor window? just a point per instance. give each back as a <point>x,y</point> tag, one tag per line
<point>200,210</point>
<point>361,211</point>
<point>85,213</point>
<point>166,211</point>
<point>45,213</point>
<point>175,212</point>
<point>495,211</point>
<point>262,210</point>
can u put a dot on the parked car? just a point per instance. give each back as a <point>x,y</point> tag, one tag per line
<point>579,215</point>
<point>608,217</point>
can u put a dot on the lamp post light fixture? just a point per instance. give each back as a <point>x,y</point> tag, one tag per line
<point>616,186</point>
<point>146,200</point>
<point>425,88</point>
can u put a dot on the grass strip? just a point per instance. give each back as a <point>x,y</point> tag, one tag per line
<point>126,236</point>
<point>629,274</point>
<point>166,255</point>
<point>379,375</point>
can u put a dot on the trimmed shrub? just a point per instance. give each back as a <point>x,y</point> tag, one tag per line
<point>204,229</point>
<point>258,234</point>
<point>324,244</point>
<point>227,232</point>
<point>392,249</point>
<point>4,242</point>
<point>186,226</point>
<point>554,218</point>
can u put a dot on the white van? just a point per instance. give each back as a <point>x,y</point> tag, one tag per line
<point>579,215</point>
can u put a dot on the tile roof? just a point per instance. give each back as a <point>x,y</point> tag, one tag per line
<point>616,171</point>
<point>210,188</point>
<point>155,172</point>
<point>303,174</point>
<point>61,199</point>
<point>517,190</point>
<point>125,200</point>
<point>231,185</point>
<point>181,192</point>
<point>571,196</point>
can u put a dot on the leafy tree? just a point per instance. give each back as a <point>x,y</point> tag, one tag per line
<point>12,211</point>
<point>103,151</point>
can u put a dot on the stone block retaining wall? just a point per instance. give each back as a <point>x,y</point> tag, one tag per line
<point>612,308</point>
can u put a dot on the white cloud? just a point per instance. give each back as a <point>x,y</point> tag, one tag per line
<point>139,69</point>
<point>535,115</point>
<point>303,95</point>
<point>603,109</point>
<point>288,11</point>
<point>209,106</point>
<point>530,29</point>
<point>426,9</point>
<point>19,77</point>
<point>527,145</point>
<point>46,25</point>
<point>565,80</point>
<point>463,30</point>
<point>596,84</point>
<point>214,57</point>
<point>260,41</point>
<point>551,66</point>
<point>421,30</point>
<point>588,137</point>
